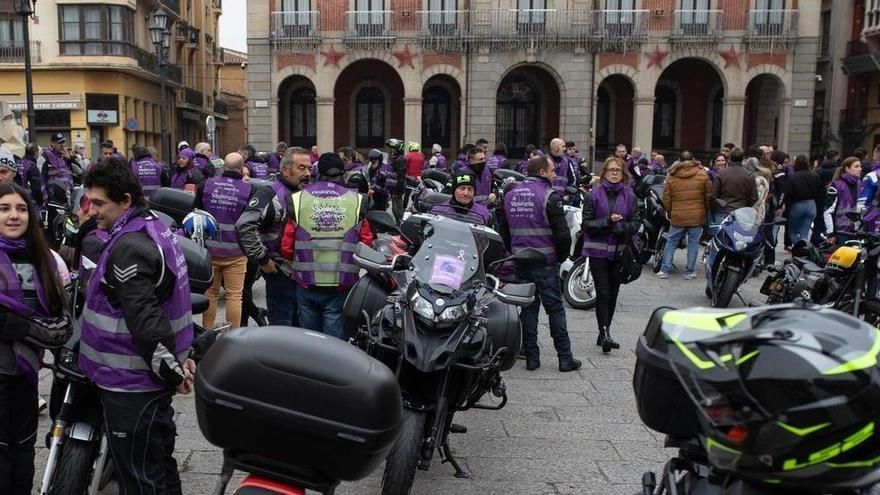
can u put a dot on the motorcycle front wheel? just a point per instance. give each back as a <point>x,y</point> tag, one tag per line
<point>402,461</point>
<point>725,288</point>
<point>578,287</point>
<point>657,262</point>
<point>74,469</point>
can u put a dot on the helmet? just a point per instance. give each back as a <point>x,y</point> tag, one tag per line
<point>413,146</point>
<point>375,154</point>
<point>395,144</point>
<point>785,394</point>
<point>201,226</point>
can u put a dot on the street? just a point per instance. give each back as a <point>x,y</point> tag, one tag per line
<point>561,433</point>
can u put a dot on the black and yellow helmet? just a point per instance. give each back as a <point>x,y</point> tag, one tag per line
<point>786,395</point>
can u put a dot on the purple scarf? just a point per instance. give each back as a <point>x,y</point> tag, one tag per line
<point>623,204</point>
<point>11,293</point>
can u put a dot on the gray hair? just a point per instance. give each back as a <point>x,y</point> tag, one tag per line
<point>287,159</point>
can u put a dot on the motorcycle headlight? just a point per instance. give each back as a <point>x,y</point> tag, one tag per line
<point>744,239</point>
<point>422,307</point>
<point>454,313</point>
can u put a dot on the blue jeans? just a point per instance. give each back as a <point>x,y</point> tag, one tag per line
<point>800,218</point>
<point>280,299</point>
<point>321,311</point>
<point>547,290</point>
<point>672,241</point>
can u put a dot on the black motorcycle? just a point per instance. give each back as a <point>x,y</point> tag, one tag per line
<point>655,221</point>
<point>447,331</point>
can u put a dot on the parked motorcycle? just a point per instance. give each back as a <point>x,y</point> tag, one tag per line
<point>733,254</point>
<point>578,287</point>
<point>447,331</point>
<point>654,219</point>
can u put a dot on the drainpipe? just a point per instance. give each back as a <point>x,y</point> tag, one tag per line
<point>465,133</point>
<point>592,129</point>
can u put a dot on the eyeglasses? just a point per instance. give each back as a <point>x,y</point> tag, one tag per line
<point>614,170</point>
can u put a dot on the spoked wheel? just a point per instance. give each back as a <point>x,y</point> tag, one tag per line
<point>578,287</point>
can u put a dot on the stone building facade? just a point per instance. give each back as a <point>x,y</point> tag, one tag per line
<point>662,74</point>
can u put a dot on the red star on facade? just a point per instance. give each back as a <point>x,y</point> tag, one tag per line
<point>332,57</point>
<point>656,57</point>
<point>404,57</point>
<point>730,57</point>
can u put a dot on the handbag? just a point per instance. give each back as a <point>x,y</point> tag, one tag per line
<point>629,266</point>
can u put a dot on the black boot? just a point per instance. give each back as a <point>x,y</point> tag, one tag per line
<point>607,342</point>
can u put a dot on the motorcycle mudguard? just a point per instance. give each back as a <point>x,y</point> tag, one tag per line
<point>82,431</point>
<point>255,485</point>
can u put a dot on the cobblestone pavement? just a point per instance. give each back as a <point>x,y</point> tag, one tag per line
<point>561,433</point>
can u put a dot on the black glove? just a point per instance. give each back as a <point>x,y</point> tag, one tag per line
<point>49,333</point>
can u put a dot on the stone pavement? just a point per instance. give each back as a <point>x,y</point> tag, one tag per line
<point>561,433</point>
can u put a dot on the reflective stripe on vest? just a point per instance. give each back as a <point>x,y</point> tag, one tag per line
<point>530,228</point>
<point>225,198</point>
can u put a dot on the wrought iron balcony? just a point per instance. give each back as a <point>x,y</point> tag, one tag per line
<point>146,60</point>
<point>529,28</point>
<point>12,52</point>
<point>193,97</point>
<point>697,28</point>
<point>442,30</point>
<point>221,107</point>
<point>620,29</point>
<point>772,28</point>
<point>295,30</point>
<point>369,29</point>
<point>174,73</point>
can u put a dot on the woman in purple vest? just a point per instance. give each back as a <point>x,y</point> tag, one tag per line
<point>611,218</point>
<point>32,311</point>
<point>848,184</point>
<point>185,174</point>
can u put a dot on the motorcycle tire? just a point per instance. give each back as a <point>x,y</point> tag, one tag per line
<point>74,468</point>
<point>644,253</point>
<point>576,296</point>
<point>726,289</point>
<point>657,262</point>
<point>403,459</point>
<point>870,312</point>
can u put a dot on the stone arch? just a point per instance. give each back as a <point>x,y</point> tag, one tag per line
<point>444,69</point>
<point>771,70</point>
<point>615,96</point>
<point>441,120</point>
<point>529,106</point>
<point>351,79</point>
<point>560,82</point>
<point>763,120</point>
<point>297,111</point>
<point>626,71</point>
<point>297,70</point>
<point>713,61</point>
<point>412,82</point>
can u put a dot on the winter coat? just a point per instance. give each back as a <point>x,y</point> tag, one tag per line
<point>734,188</point>
<point>687,195</point>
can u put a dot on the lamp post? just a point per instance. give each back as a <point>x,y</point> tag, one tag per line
<point>161,38</point>
<point>26,10</point>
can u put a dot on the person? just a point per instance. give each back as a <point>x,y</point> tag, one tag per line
<point>477,167</point>
<point>870,182</point>
<point>202,159</point>
<point>462,203</point>
<point>437,160</point>
<point>826,174</point>
<point>56,166</point>
<point>483,144</point>
<point>461,158</point>
<point>275,159</point>
<point>523,165</point>
<point>8,168</point>
<point>620,152</point>
<point>150,174</point>
<point>258,168</point>
<point>28,175</point>
<point>379,182</point>
<point>719,163</point>
<point>566,169</point>
<point>136,331</point>
<point>32,309</point>
<point>499,156</point>
<point>803,198</point>
<point>396,173</point>
<point>847,184</point>
<point>259,228</point>
<point>733,188</point>
<point>687,197</point>
<point>354,176</point>
<point>185,175</point>
<point>634,167</point>
<point>532,217</point>
<point>323,245</point>
<point>610,218</point>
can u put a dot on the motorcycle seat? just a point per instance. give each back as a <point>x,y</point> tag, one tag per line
<point>808,266</point>
<point>199,303</point>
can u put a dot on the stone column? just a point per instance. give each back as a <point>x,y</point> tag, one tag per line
<point>734,120</point>
<point>782,136</point>
<point>643,123</point>
<point>412,119</point>
<point>324,122</point>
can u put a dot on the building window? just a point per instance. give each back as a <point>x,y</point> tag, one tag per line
<point>768,17</point>
<point>370,18</point>
<point>443,17</point>
<point>303,118</point>
<point>825,36</point>
<point>96,30</point>
<point>619,17</point>
<point>693,17</point>
<point>369,118</point>
<point>664,117</point>
<point>436,117</point>
<point>297,19</point>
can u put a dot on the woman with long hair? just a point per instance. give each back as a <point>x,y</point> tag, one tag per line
<point>32,316</point>
<point>847,183</point>
<point>803,197</point>
<point>610,220</point>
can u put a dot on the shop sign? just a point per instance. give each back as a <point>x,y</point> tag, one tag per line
<point>103,117</point>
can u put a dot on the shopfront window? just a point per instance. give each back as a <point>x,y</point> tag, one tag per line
<point>96,30</point>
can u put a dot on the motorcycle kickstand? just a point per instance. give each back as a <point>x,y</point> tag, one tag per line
<point>743,301</point>
<point>446,456</point>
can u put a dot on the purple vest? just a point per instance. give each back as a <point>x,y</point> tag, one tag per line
<point>274,163</point>
<point>390,177</point>
<point>225,198</point>
<point>460,162</point>
<point>200,161</point>
<point>607,245</point>
<point>269,236</point>
<point>478,213</point>
<point>258,170</point>
<point>179,177</point>
<point>108,355</point>
<point>563,168</point>
<point>483,188</point>
<point>58,173</point>
<point>522,166</point>
<point>525,207</point>
<point>845,203</point>
<point>495,162</point>
<point>438,161</point>
<point>324,231</point>
<point>149,174</point>
<point>22,167</point>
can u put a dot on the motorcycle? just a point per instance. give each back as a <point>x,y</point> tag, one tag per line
<point>654,219</point>
<point>733,255</point>
<point>447,331</point>
<point>578,287</point>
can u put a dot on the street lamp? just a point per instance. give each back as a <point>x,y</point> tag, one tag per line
<point>25,9</point>
<point>161,38</point>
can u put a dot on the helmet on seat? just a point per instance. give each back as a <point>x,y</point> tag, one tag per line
<point>201,226</point>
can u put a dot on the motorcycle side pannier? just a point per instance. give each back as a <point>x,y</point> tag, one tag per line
<point>366,295</point>
<point>289,399</point>
<point>502,324</point>
<point>175,203</point>
<point>663,404</point>
<point>198,265</point>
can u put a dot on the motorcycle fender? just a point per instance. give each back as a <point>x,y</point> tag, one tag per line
<point>734,268</point>
<point>83,431</point>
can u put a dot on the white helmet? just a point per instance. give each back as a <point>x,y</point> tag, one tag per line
<point>181,145</point>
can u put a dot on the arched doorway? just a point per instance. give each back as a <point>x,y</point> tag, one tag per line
<point>368,106</point>
<point>527,109</point>
<point>614,114</point>
<point>688,109</point>
<point>764,96</point>
<point>297,114</point>
<point>441,104</point>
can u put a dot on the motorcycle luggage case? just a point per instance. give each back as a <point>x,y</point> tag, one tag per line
<point>504,330</point>
<point>175,203</point>
<point>198,265</point>
<point>663,404</point>
<point>292,399</point>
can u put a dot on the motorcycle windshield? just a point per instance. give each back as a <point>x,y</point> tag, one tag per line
<point>448,259</point>
<point>746,219</point>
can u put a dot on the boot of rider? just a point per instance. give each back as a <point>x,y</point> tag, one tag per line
<point>607,342</point>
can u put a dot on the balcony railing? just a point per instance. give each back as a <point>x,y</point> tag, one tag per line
<point>296,30</point>
<point>221,107</point>
<point>369,29</point>
<point>529,28</point>
<point>697,28</point>
<point>174,73</point>
<point>193,97</point>
<point>771,28</point>
<point>620,29</point>
<point>12,52</point>
<point>146,60</point>
<point>442,30</point>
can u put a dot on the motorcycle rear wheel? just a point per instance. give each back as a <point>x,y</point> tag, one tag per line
<point>657,262</point>
<point>74,469</point>
<point>870,312</point>
<point>402,461</point>
<point>726,288</point>
<point>579,293</point>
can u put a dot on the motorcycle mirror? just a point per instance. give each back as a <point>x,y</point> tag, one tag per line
<point>401,262</point>
<point>516,294</point>
<point>370,259</point>
<point>382,221</point>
